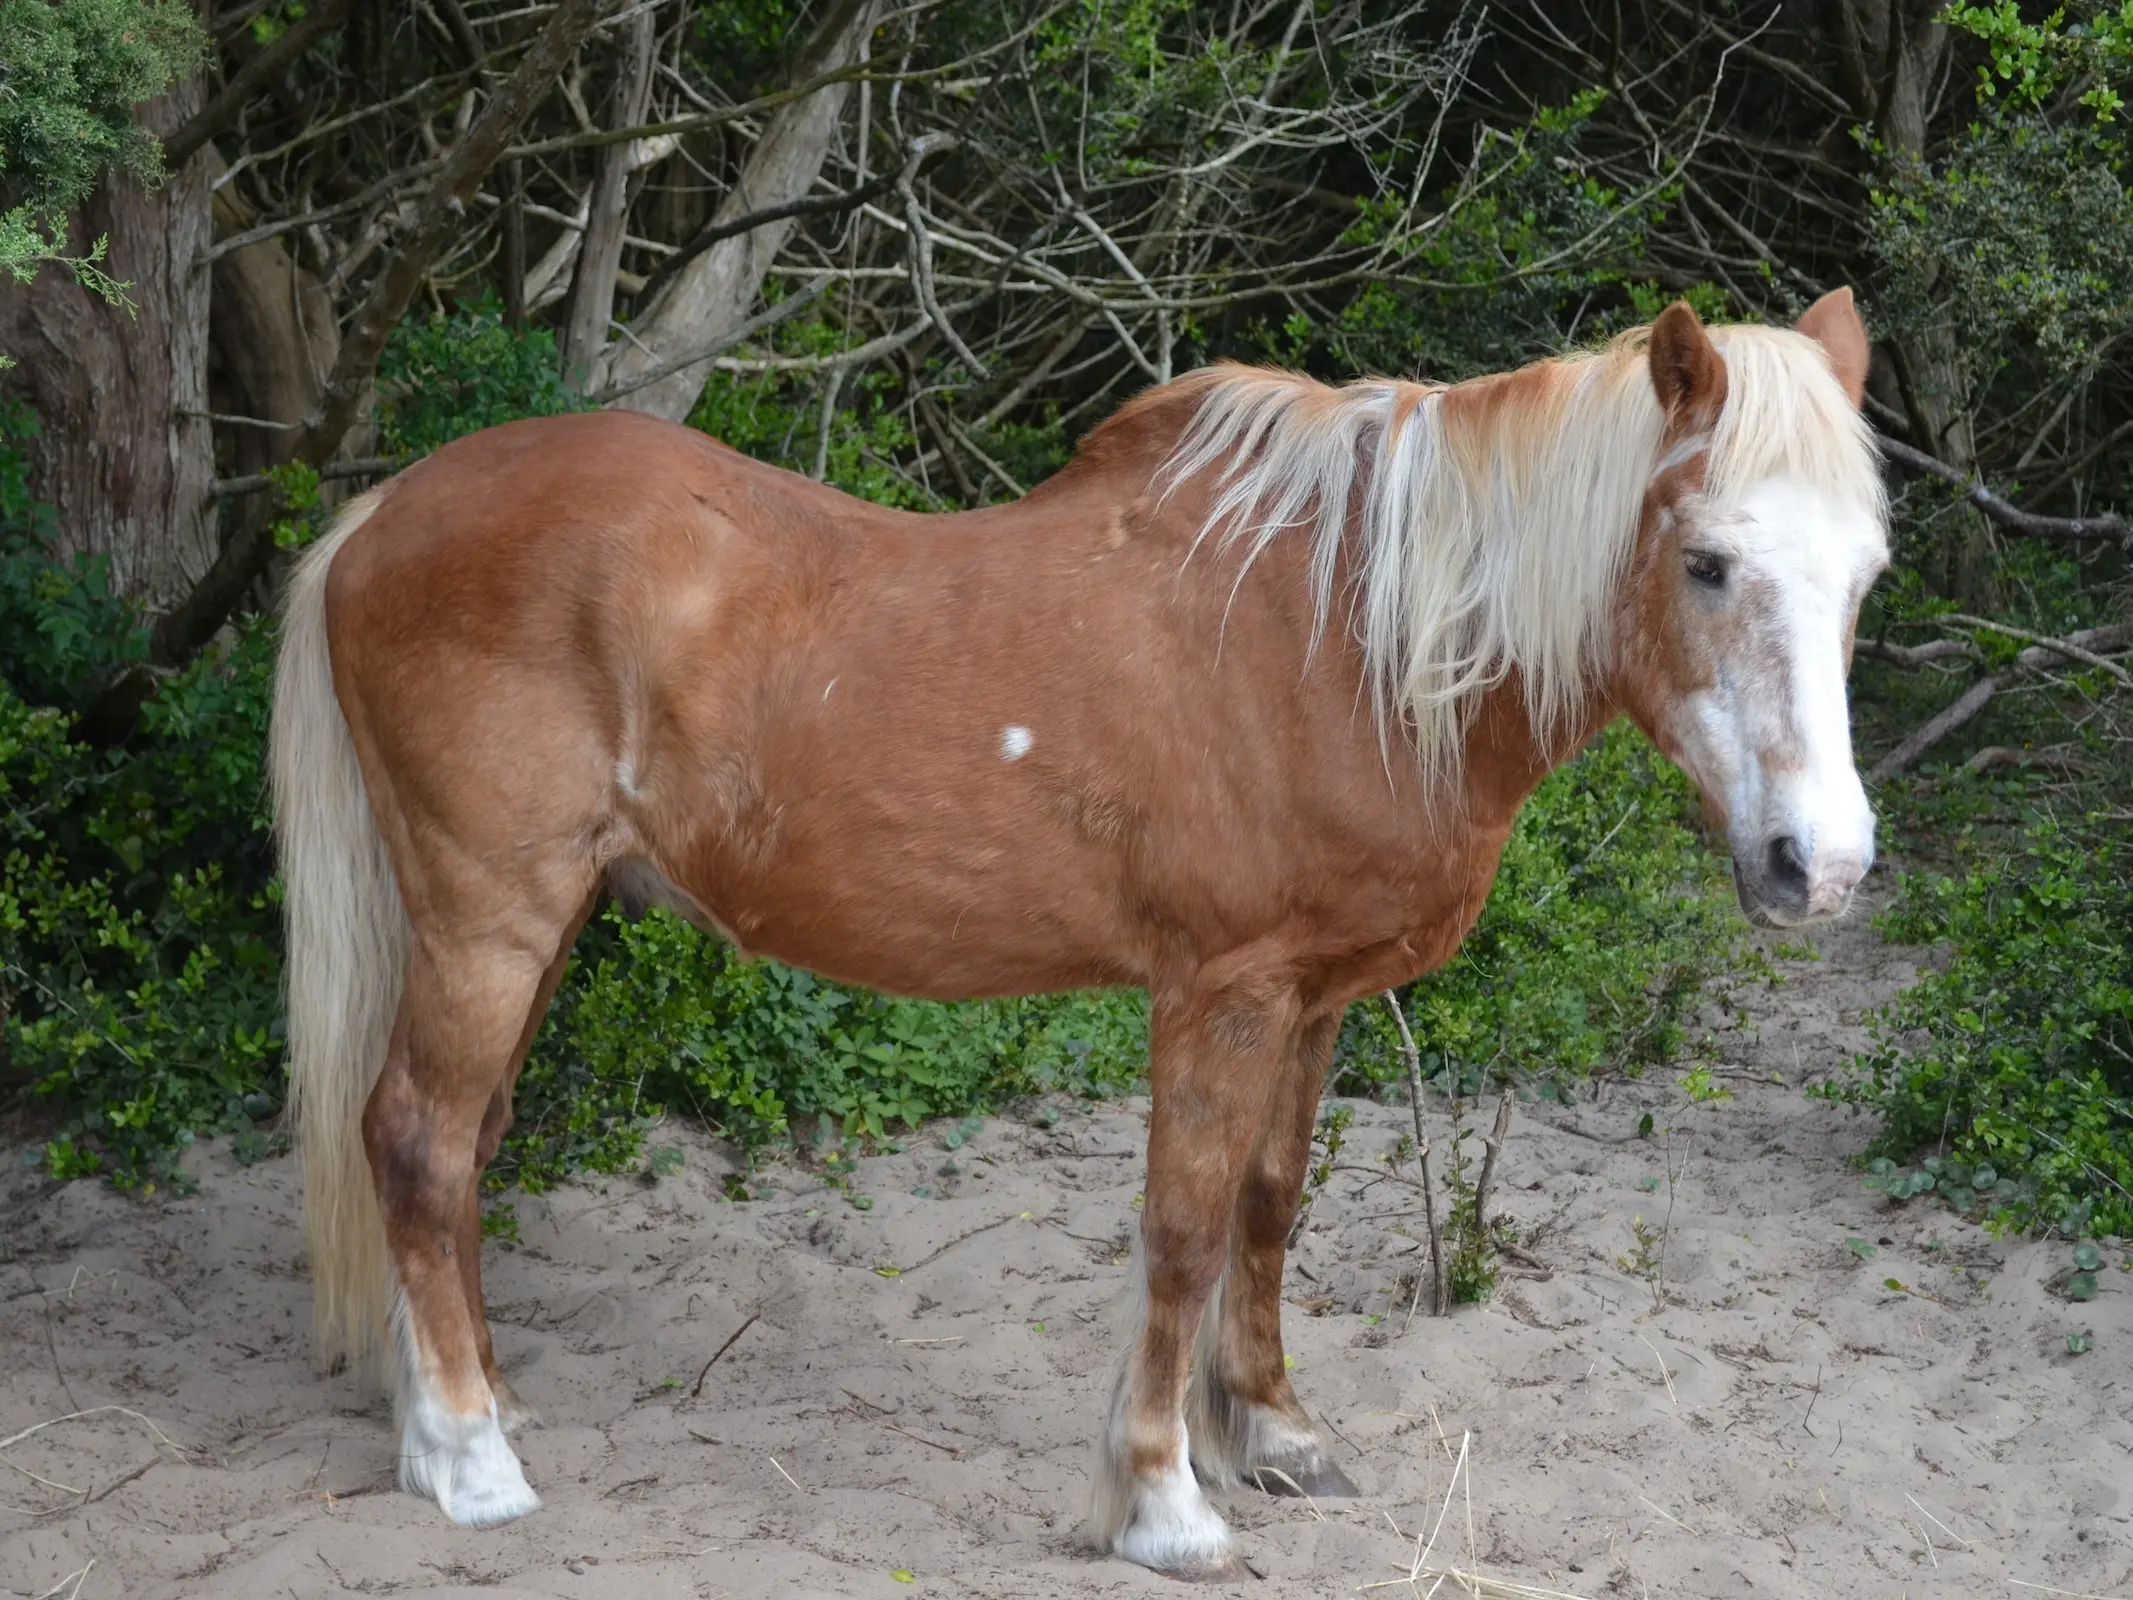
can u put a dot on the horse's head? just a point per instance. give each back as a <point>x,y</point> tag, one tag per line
<point>1762,530</point>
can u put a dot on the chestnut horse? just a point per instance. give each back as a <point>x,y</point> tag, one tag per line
<point>1237,707</point>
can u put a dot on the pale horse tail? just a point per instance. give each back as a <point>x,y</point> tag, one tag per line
<point>347,950</point>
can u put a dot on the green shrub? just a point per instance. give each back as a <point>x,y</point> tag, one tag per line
<point>2005,1079</point>
<point>445,376</point>
<point>656,1017</point>
<point>138,964</point>
<point>1603,925</point>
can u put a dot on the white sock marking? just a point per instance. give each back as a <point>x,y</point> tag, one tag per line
<point>458,1459</point>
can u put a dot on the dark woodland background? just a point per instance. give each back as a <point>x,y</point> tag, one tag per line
<point>261,252</point>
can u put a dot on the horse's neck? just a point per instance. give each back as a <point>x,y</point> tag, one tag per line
<point>1507,758</point>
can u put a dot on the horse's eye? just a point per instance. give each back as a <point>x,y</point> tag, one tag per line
<point>1705,567</point>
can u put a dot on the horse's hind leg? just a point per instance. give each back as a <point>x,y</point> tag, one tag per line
<point>512,1413</point>
<point>1246,1423</point>
<point>461,1018</point>
<point>1212,1059</point>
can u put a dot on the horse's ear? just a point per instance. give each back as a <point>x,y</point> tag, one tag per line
<point>1688,374</point>
<point>1833,323</point>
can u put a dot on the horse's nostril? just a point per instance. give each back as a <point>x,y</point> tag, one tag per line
<point>1786,863</point>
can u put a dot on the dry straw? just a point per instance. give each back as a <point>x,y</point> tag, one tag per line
<point>1428,1576</point>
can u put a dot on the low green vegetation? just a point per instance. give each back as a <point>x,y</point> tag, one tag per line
<point>2004,1077</point>
<point>1606,919</point>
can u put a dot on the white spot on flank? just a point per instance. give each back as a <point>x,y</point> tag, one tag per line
<point>1014,743</point>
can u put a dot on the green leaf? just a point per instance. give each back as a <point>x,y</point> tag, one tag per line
<point>2081,1286</point>
<point>1861,1249</point>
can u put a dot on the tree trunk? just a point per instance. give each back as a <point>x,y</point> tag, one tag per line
<point>712,295</point>
<point>125,453</point>
<point>1888,63</point>
<point>592,291</point>
<point>273,340</point>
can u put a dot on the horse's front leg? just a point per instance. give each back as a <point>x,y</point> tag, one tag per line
<point>1246,1423</point>
<point>1214,1058</point>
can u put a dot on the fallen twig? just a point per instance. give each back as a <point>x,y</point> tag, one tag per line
<point>1908,754</point>
<point>869,1412</point>
<point>697,1391</point>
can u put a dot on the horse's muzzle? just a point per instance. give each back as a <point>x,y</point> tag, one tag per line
<point>1785,884</point>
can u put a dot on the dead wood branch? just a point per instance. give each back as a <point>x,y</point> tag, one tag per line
<point>2013,518</point>
<point>194,620</point>
<point>1964,709</point>
<point>276,59</point>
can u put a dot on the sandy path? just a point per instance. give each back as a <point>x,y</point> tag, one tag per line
<point>939,1421</point>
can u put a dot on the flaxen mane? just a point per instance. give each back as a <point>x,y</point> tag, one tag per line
<point>1492,521</point>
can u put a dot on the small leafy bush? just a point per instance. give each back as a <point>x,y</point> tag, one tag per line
<point>1605,921</point>
<point>138,964</point>
<point>448,375</point>
<point>655,1017</point>
<point>2005,1079</point>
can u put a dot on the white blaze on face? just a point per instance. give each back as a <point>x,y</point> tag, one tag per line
<point>1014,743</point>
<point>1771,735</point>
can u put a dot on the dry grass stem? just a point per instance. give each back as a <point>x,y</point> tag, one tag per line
<point>1944,1528</point>
<point>1676,1521</point>
<point>1426,1578</point>
<point>1665,1376</point>
<point>69,1587</point>
<point>77,1497</point>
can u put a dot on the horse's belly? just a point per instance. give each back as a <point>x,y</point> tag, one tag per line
<point>935,918</point>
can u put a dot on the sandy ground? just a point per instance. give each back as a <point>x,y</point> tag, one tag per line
<point>910,1406</point>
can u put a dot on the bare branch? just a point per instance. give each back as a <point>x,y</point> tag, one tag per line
<point>193,622</point>
<point>2013,518</point>
<point>253,76</point>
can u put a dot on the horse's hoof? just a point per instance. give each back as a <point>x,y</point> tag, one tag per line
<point>1228,1567</point>
<point>1316,1480</point>
<point>462,1463</point>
